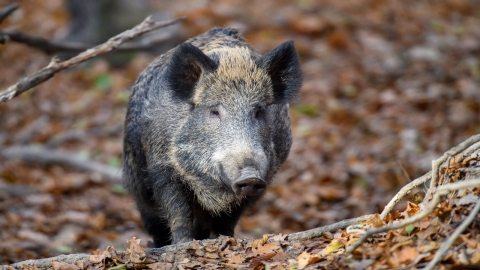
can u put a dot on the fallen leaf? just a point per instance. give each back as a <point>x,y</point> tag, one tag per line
<point>258,261</point>
<point>267,248</point>
<point>306,259</point>
<point>135,251</point>
<point>376,221</point>
<point>332,247</point>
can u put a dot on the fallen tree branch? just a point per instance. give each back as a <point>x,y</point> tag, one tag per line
<point>435,173</point>
<point>436,164</point>
<point>5,12</point>
<point>449,242</point>
<point>403,192</point>
<point>305,235</point>
<point>441,191</point>
<point>43,156</point>
<point>51,47</point>
<point>46,73</point>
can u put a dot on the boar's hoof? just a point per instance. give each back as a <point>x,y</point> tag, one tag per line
<point>249,187</point>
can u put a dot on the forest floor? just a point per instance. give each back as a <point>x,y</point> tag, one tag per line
<point>389,86</point>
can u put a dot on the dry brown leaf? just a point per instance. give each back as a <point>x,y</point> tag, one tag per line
<point>412,210</point>
<point>156,266</point>
<point>258,261</point>
<point>406,254</point>
<point>471,243</point>
<point>237,259</point>
<point>475,257</point>
<point>195,244</point>
<point>376,221</point>
<point>210,247</point>
<point>263,240</point>
<point>351,240</point>
<point>432,245</point>
<point>234,266</point>
<point>266,249</point>
<point>135,251</point>
<point>98,256</point>
<point>306,259</point>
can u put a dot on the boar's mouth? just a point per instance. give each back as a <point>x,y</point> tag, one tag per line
<point>249,184</point>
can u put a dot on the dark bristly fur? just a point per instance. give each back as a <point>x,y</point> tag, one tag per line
<point>207,128</point>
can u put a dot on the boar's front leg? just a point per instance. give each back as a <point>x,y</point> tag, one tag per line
<point>174,200</point>
<point>225,223</point>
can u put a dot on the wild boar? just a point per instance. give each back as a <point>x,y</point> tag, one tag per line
<point>206,130</point>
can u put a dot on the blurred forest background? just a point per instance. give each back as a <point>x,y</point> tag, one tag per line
<point>388,87</point>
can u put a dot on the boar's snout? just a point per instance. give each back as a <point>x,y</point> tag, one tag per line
<point>249,184</point>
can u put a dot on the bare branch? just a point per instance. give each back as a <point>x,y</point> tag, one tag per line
<point>441,190</point>
<point>46,73</point>
<point>51,47</point>
<point>403,192</point>
<point>4,13</point>
<point>42,156</point>
<point>445,246</point>
<point>450,153</point>
<point>305,235</point>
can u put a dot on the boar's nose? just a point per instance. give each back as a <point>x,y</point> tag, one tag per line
<point>249,184</point>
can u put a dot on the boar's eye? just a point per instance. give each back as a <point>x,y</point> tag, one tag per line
<point>215,113</point>
<point>259,112</point>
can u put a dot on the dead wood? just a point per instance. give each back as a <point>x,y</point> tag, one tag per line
<point>51,47</point>
<point>54,67</point>
<point>44,156</point>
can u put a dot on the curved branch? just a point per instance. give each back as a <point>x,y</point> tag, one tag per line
<point>441,190</point>
<point>51,47</point>
<point>46,73</point>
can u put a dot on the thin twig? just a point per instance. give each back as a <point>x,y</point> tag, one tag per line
<point>305,235</point>
<point>43,156</point>
<point>46,73</point>
<point>50,47</point>
<point>403,192</point>
<point>441,190</point>
<point>5,12</point>
<point>450,153</point>
<point>449,242</point>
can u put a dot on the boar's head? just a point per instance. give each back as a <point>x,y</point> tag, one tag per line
<point>224,147</point>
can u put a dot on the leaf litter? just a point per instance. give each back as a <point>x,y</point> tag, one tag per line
<point>387,86</point>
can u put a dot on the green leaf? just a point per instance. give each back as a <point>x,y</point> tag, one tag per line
<point>409,228</point>
<point>306,109</point>
<point>102,82</point>
<point>118,267</point>
<point>119,189</point>
<point>332,247</point>
<point>114,162</point>
<point>63,249</point>
<point>122,97</point>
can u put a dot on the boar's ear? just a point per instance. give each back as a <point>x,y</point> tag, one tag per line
<point>283,66</point>
<point>186,66</point>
